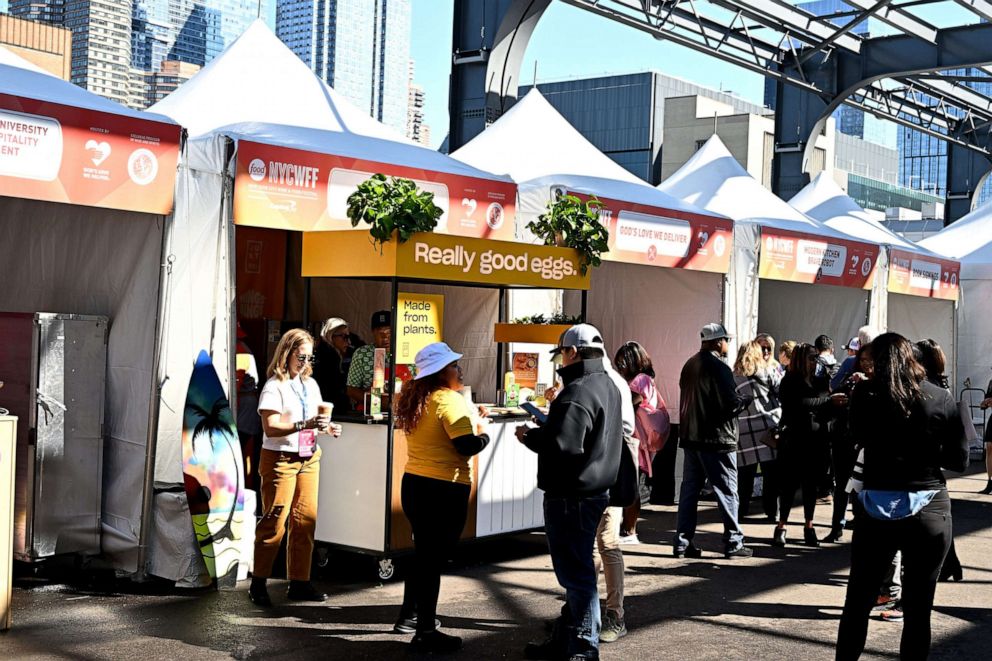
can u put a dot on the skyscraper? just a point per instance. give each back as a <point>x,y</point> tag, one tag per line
<point>416,128</point>
<point>361,48</point>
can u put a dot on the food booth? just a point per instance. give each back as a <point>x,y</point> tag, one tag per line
<point>921,287</point>
<point>432,284</point>
<point>86,192</point>
<point>791,276</point>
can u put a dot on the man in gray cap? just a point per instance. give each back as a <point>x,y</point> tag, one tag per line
<point>578,456</point>
<point>708,436</point>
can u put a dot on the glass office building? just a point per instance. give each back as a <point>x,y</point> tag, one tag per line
<point>360,47</point>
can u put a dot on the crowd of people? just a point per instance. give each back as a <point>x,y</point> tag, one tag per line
<point>873,432</point>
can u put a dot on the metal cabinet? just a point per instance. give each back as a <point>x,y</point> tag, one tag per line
<point>54,368</point>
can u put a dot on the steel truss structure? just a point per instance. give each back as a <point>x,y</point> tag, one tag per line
<point>914,76</point>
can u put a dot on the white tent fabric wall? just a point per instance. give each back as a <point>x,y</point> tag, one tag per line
<point>86,260</point>
<point>801,312</point>
<point>970,240</point>
<point>918,318</point>
<point>199,254</point>
<point>662,309</point>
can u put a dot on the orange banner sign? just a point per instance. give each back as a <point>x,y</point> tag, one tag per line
<point>64,154</point>
<point>285,188</point>
<point>798,257</point>
<point>923,275</point>
<point>643,234</point>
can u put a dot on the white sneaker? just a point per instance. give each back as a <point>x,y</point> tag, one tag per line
<point>629,539</point>
<point>613,629</point>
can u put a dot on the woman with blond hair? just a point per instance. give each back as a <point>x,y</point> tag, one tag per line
<point>757,378</point>
<point>289,468</point>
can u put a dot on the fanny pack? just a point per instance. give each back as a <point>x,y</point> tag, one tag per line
<point>894,505</point>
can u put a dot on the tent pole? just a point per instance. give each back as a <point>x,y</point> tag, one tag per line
<point>151,440</point>
<point>585,305</point>
<point>500,347</point>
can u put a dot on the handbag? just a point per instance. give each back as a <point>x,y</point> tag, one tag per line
<point>625,491</point>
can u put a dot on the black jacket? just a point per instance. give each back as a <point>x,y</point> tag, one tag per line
<point>331,375</point>
<point>710,404</point>
<point>907,453</point>
<point>806,413</point>
<point>578,448</point>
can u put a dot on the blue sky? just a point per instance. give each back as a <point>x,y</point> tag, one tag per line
<point>568,43</point>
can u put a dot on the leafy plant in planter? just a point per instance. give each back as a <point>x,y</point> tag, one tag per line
<point>392,205</point>
<point>556,319</point>
<point>571,223</point>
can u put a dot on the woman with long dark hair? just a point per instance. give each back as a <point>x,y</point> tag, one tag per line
<point>442,435</point>
<point>806,405</point>
<point>909,428</point>
<point>630,361</point>
<point>934,361</point>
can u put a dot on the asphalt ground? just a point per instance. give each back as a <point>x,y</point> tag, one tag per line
<point>782,604</point>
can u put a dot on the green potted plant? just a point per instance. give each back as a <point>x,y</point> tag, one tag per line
<point>392,205</point>
<point>536,329</point>
<point>570,222</point>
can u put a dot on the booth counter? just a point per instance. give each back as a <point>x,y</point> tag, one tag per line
<point>361,471</point>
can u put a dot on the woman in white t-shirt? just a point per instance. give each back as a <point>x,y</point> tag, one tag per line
<point>289,467</point>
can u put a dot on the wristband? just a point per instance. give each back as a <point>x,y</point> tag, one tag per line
<point>299,426</point>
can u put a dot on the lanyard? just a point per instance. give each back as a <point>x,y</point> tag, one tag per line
<point>303,400</point>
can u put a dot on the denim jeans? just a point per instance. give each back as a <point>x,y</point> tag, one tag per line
<point>570,525</point>
<point>721,470</point>
<point>924,539</point>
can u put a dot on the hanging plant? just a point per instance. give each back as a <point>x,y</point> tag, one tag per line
<point>391,205</point>
<point>569,222</point>
<point>556,319</point>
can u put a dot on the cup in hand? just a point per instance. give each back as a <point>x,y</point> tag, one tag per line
<point>325,409</point>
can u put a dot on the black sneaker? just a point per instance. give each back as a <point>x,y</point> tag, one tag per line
<point>259,595</point>
<point>304,591</point>
<point>435,642</point>
<point>689,552</point>
<point>549,650</point>
<point>739,552</point>
<point>408,625</point>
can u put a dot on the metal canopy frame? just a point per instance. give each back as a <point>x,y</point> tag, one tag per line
<point>912,78</point>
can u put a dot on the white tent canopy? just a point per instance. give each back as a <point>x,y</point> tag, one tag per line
<point>970,240</point>
<point>662,308</point>
<point>258,79</point>
<point>68,258</point>
<point>259,91</point>
<point>915,317</point>
<point>714,180</point>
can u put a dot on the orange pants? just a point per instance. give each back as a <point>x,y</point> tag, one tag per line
<point>289,494</point>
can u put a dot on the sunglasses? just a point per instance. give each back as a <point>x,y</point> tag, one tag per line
<point>766,349</point>
<point>303,360</point>
<point>339,336</point>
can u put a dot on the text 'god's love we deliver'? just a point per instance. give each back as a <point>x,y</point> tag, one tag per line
<point>491,261</point>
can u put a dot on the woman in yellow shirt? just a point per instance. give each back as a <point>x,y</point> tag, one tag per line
<point>442,437</point>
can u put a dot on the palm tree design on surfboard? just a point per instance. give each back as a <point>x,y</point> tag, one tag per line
<point>213,472</point>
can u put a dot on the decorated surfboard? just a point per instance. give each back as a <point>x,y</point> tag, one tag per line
<point>213,472</point>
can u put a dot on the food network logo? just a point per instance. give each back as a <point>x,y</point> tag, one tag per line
<point>286,174</point>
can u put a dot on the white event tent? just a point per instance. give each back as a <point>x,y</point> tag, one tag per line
<point>915,312</point>
<point>85,204</point>
<point>252,109</point>
<point>779,253</point>
<point>970,241</point>
<point>631,298</point>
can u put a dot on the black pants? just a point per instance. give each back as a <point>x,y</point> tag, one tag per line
<point>437,511</point>
<point>769,488</point>
<point>923,540</point>
<point>843,455</point>
<point>799,471</point>
<point>663,472</point>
